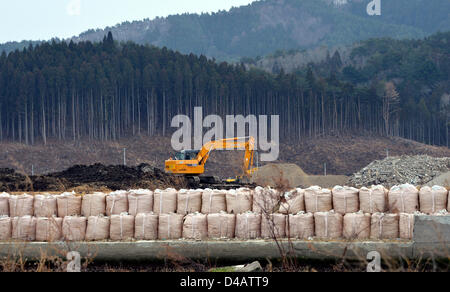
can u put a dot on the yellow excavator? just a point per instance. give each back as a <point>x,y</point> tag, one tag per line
<point>191,163</point>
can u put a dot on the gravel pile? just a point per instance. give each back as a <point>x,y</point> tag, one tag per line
<point>415,170</point>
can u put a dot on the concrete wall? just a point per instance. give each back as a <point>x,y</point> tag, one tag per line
<point>432,240</point>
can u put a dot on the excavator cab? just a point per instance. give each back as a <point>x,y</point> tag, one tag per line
<point>187,155</point>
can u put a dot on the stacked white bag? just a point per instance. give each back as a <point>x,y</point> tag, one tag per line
<point>433,200</point>
<point>239,201</point>
<point>45,206</point>
<point>69,204</point>
<point>273,226</point>
<point>221,225</point>
<point>403,199</point>
<point>165,201</point>
<point>146,226</point>
<point>248,226</point>
<point>117,203</point>
<point>318,200</point>
<point>328,225</point>
<point>373,200</point>
<point>266,200</point>
<point>4,204</point>
<point>20,206</point>
<point>357,225</point>
<point>300,225</point>
<point>195,226</point>
<point>140,201</point>
<point>189,201</point>
<point>213,201</point>
<point>295,202</point>
<point>345,200</point>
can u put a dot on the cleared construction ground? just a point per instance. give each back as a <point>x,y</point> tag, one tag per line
<point>292,176</point>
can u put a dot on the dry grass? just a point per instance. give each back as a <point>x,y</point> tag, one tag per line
<point>50,260</point>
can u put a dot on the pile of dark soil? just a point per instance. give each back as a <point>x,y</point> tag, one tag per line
<point>94,177</point>
<point>10,180</point>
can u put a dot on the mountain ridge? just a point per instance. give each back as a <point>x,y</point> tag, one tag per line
<point>263,27</point>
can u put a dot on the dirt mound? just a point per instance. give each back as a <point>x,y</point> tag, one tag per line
<point>279,175</point>
<point>88,178</point>
<point>292,176</point>
<point>416,170</point>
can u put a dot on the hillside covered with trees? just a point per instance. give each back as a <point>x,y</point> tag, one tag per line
<point>266,26</point>
<point>105,91</point>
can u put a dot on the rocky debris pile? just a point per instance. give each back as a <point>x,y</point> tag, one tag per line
<point>415,170</point>
<point>97,176</point>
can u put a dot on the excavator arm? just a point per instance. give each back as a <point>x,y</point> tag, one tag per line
<point>228,144</point>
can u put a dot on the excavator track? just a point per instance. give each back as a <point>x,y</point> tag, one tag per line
<point>214,182</point>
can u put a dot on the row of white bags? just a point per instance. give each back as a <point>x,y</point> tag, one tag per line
<point>322,225</point>
<point>132,202</point>
<point>377,199</point>
<point>344,200</point>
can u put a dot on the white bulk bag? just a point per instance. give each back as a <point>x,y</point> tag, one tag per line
<point>45,206</point>
<point>170,226</point>
<point>295,202</point>
<point>189,201</point>
<point>221,225</point>
<point>248,226</point>
<point>146,226</point>
<point>49,229</point>
<point>318,200</point>
<point>403,199</point>
<point>357,225</point>
<point>122,227</point>
<point>93,204</point>
<point>433,199</point>
<point>195,226</point>
<point>69,204</point>
<point>273,226</point>
<point>213,201</point>
<point>266,200</point>
<point>373,200</point>
<point>117,203</point>
<point>239,201</point>
<point>345,200</point>
<point>165,201</point>
<point>74,228</point>
<point>24,228</point>
<point>140,201</point>
<point>300,226</point>
<point>328,225</point>
<point>4,204</point>
<point>384,226</point>
<point>406,225</point>
<point>5,228</point>
<point>97,228</point>
<point>20,206</point>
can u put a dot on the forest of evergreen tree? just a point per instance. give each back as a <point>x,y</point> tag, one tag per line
<point>108,91</point>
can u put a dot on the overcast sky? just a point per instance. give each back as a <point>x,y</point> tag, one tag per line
<point>44,19</point>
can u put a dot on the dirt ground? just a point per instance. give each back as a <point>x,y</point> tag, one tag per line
<point>292,176</point>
